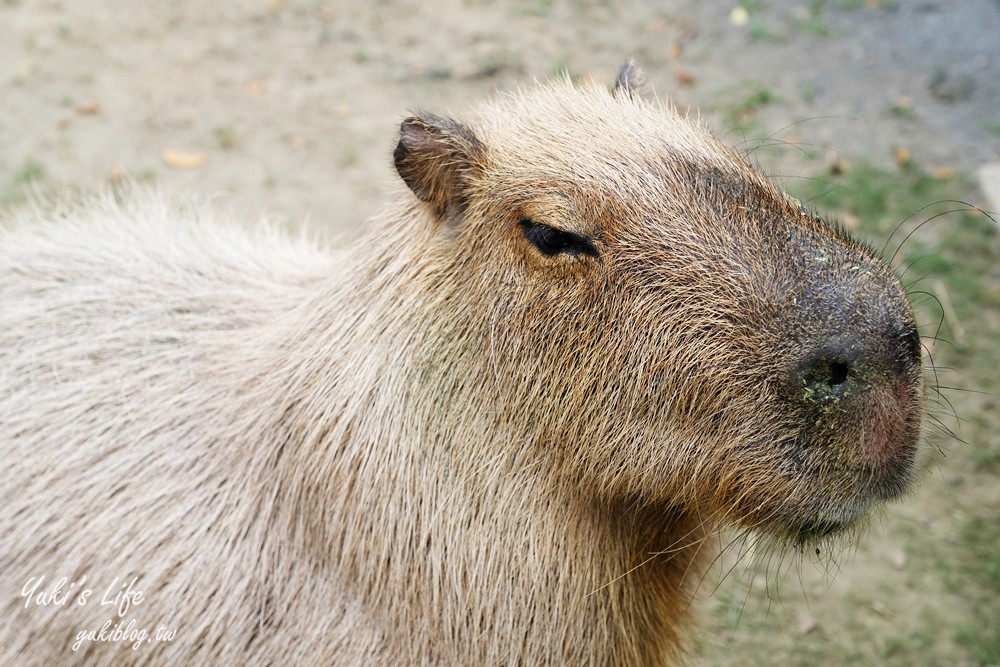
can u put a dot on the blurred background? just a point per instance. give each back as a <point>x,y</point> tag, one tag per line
<point>884,113</point>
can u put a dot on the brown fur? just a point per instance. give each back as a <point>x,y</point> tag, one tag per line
<point>446,447</point>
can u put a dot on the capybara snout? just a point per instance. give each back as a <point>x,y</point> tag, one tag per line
<point>848,372</point>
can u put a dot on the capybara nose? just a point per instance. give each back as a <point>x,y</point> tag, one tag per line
<point>845,364</point>
<point>829,375</point>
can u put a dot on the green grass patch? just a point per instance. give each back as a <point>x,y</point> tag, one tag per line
<point>979,574</point>
<point>738,106</point>
<point>759,29</point>
<point>815,24</point>
<point>903,108</point>
<point>536,8</point>
<point>15,191</point>
<point>757,98</point>
<point>226,137</point>
<point>31,171</point>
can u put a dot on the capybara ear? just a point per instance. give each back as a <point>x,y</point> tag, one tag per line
<point>629,79</point>
<point>435,157</point>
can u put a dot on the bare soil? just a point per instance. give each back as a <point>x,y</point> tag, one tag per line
<point>295,104</point>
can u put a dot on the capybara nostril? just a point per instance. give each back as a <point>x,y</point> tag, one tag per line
<point>838,373</point>
<point>827,377</point>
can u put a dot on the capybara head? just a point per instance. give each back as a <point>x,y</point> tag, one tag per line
<point>666,326</point>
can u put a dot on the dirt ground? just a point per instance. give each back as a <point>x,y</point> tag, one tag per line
<point>289,108</point>
<point>293,104</point>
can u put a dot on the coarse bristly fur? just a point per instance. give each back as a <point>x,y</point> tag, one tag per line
<point>498,431</point>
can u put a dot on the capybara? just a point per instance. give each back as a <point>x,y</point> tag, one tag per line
<point>501,430</point>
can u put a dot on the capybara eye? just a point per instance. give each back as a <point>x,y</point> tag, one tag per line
<point>551,241</point>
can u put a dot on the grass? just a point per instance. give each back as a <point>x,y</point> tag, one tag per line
<point>226,137</point>
<point>31,171</point>
<point>536,8</point>
<point>739,106</point>
<point>903,109</point>
<point>347,156</point>
<point>815,24</point>
<point>760,31</point>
